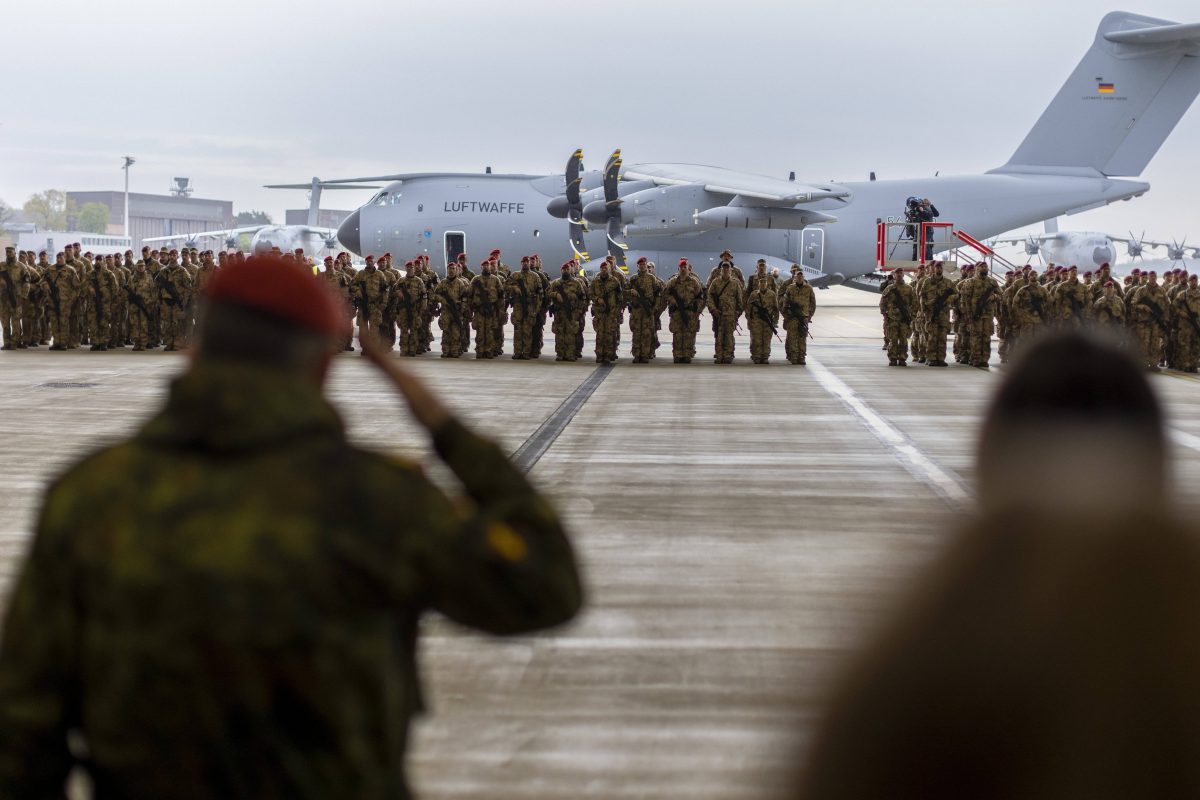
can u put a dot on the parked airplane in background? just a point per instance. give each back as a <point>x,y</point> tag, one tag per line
<point>1087,250</point>
<point>315,240</point>
<point>1124,98</point>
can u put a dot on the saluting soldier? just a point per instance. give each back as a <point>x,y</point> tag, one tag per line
<point>762,313</point>
<point>798,303</point>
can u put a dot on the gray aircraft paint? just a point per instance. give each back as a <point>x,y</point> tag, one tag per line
<point>1063,166</point>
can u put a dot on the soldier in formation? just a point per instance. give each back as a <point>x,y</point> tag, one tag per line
<point>797,303</point>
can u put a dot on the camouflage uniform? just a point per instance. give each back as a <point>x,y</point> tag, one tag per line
<point>175,292</point>
<point>387,319</point>
<point>1109,311</point>
<point>452,299</point>
<point>798,303</point>
<point>567,295</point>
<point>896,304</point>
<point>685,300</point>
<point>339,283</point>
<point>487,305</point>
<point>1005,321</point>
<point>918,326</point>
<point>1148,309</point>
<point>934,300</point>
<point>524,291</point>
<point>1073,301</point>
<point>102,290</point>
<point>408,307</point>
<point>1186,306</point>
<point>1029,308</point>
<point>425,333</point>
<point>762,314</point>
<point>539,322</point>
<point>725,302</point>
<point>606,299</point>
<point>645,305</point>
<point>227,605</point>
<point>983,316</point>
<point>32,305</point>
<point>61,285</point>
<point>372,290</point>
<point>78,324</point>
<point>143,293</point>
<point>14,286</point>
<point>961,306</point>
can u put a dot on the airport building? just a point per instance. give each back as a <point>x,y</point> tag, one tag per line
<point>159,214</point>
<point>326,217</point>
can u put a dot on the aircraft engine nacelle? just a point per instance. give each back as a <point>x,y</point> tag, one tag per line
<point>595,207</point>
<point>667,209</point>
<point>760,218</point>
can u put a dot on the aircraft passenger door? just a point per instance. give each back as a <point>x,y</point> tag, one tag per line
<point>455,245</point>
<point>812,248</point>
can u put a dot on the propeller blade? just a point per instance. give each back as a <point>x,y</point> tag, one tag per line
<point>612,208</point>
<point>575,223</point>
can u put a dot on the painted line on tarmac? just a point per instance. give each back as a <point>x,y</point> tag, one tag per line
<point>903,448</point>
<point>533,448</point>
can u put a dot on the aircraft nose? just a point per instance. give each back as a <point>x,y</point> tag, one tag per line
<point>348,234</point>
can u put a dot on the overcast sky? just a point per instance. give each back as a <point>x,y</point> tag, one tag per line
<point>238,94</point>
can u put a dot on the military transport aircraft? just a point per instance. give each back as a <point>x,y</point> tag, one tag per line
<point>313,239</point>
<point>1109,119</point>
<point>1089,249</point>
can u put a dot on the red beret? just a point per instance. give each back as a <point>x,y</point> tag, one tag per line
<point>408,263</point>
<point>682,261</point>
<point>462,256</point>
<point>495,252</point>
<point>485,262</point>
<point>1109,282</point>
<point>370,258</point>
<point>524,259</point>
<point>327,258</point>
<point>268,284</point>
<point>567,264</point>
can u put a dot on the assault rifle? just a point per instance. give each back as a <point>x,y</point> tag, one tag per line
<point>983,298</point>
<point>137,302</point>
<point>936,309</point>
<point>765,316</point>
<point>1155,311</point>
<point>9,289</point>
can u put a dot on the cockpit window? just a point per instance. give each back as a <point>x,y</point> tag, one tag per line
<point>380,199</point>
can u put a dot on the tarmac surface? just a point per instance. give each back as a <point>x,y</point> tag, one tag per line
<point>740,528</point>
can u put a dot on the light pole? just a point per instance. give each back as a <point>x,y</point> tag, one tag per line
<point>128,164</point>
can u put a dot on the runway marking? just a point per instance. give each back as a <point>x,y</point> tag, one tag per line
<point>859,324</point>
<point>904,449</point>
<point>533,448</point>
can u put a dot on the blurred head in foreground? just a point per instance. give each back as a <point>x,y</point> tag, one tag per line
<point>267,313</point>
<point>1074,429</point>
<point>1054,650</point>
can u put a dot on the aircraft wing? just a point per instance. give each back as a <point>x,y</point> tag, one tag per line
<point>1037,237</point>
<point>753,189</point>
<point>227,232</point>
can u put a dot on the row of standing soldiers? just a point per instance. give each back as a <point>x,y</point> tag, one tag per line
<point>108,301</point>
<point>1161,320</point>
<point>401,307</point>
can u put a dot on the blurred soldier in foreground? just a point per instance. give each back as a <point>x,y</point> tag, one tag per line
<point>227,605</point>
<point>1054,650</point>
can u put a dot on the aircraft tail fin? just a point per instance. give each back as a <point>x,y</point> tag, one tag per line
<point>1120,104</point>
